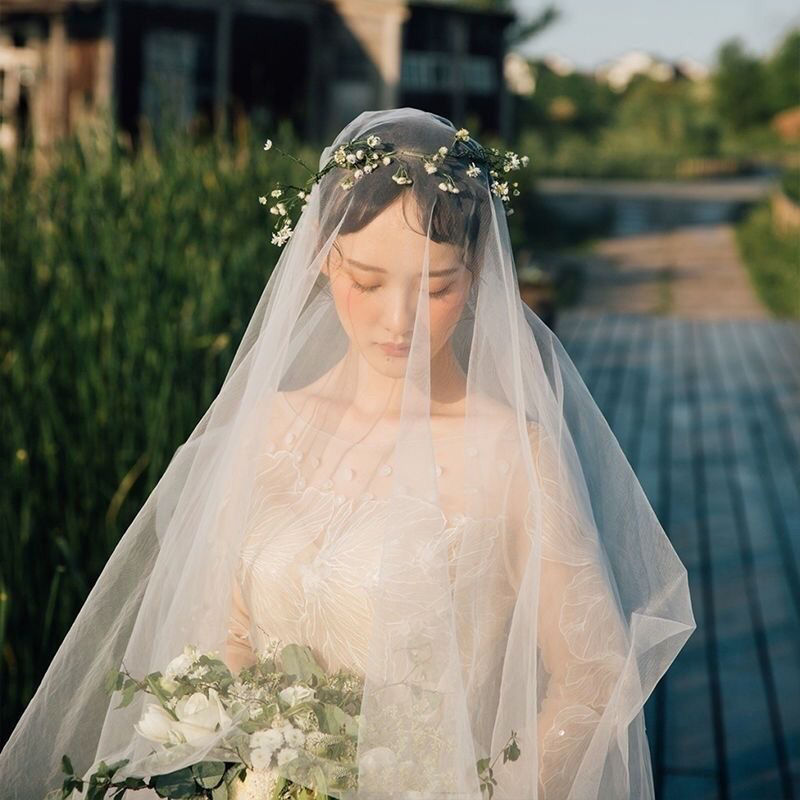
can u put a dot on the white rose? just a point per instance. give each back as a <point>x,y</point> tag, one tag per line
<point>181,664</point>
<point>155,724</point>
<point>198,717</point>
<point>296,694</point>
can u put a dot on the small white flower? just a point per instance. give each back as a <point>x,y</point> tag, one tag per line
<point>261,758</point>
<point>270,739</point>
<point>387,160</point>
<point>282,236</point>
<point>359,154</point>
<point>286,755</point>
<point>367,168</point>
<point>281,209</point>
<point>455,189</point>
<point>473,170</point>
<point>443,186</point>
<point>358,174</point>
<point>525,160</point>
<point>262,200</point>
<point>268,144</point>
<point>430,168</point>
<point>351,159</point>
<point>373,140</point>
<point>301,194</point>
<point>463,134</point>
<point>442,150</point>
<point>347,183</point>
<point>276,193</point>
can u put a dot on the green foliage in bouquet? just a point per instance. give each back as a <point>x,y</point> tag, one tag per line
<point>283,711</point>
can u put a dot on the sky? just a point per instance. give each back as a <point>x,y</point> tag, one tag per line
<point>592,31</point>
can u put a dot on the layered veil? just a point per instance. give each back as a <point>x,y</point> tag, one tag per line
<point>455,523</point>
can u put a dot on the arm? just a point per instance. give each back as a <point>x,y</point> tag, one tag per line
<point>581,634</point>
<point>238,652</point>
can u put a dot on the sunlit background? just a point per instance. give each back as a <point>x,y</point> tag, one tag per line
<point>658,234</point>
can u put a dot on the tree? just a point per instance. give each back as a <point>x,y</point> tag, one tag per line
<point>740,84</point>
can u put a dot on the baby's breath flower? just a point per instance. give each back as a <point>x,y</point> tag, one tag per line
<point>282,236</point>
<point>365,158</point>
<point>268,144</point>
<point>401,176</point>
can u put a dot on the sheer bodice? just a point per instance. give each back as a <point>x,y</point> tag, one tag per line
<point>310,559</point>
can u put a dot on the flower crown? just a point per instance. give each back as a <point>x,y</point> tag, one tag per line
<point>362,156</point>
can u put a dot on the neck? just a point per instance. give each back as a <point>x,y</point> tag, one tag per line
<point>380,395</point>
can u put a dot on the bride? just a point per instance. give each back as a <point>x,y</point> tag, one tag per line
<point>404,473</point>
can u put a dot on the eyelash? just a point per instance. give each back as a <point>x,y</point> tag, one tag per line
<point>440,293</point>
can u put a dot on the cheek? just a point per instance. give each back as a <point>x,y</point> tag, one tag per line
<point>445,314</point>
<point>353,305</point>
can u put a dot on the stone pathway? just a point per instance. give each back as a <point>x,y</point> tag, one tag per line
<point>689,272</point>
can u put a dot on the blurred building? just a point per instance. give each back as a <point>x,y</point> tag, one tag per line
<point>619,72</point>
<point>316,62</point>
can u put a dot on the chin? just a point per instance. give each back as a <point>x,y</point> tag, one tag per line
<point>390,367</point>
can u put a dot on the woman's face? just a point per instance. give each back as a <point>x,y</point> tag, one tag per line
<point>375,279</point>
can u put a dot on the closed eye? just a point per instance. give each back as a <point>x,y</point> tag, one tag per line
<point>356,285</point>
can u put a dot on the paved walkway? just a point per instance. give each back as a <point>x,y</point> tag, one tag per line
<point>691,271</point>
<point>708,414</point>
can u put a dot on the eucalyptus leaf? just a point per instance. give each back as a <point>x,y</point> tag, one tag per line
<point>178,784</point>
<point>298,660</point>
<point>209,774</point>
<point>332,718</point>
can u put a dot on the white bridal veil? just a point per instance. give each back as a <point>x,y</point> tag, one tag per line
<point>453,521</point>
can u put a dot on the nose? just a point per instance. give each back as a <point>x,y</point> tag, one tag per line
<point>401,309</point>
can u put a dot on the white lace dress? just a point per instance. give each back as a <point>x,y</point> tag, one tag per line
<point>309,563</point>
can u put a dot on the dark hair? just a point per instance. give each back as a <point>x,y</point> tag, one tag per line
<point>460,219</point>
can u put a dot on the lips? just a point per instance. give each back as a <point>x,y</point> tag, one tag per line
<point>395,350</point>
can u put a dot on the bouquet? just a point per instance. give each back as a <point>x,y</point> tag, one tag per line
<point>283,729</point>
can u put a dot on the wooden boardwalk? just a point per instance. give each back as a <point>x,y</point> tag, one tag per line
<point>708,414</point>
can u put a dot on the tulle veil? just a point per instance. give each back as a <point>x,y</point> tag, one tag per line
<point>457,524</point>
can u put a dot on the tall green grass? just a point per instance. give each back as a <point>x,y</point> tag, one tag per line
<point>772,259</point>
<point>126,281</point>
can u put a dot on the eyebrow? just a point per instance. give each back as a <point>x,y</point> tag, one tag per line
<point>432,274</point>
